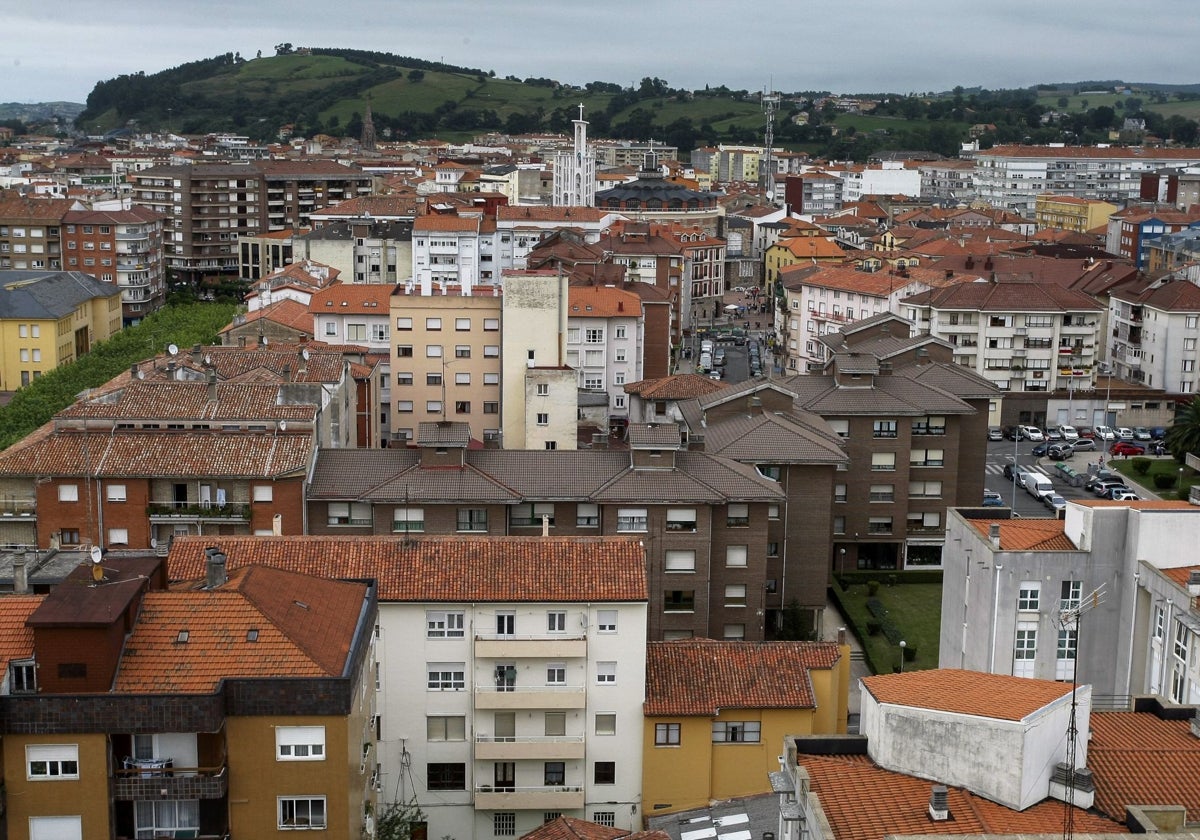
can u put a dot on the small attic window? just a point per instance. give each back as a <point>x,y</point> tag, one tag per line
<point>183,637</point>
<point>329,303</point>
<point>252,635</point>
<point>300,604</point>
<point>345,303</point>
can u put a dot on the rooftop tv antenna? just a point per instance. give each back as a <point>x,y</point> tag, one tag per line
<point>1068,620</point>
<point>770,104</point>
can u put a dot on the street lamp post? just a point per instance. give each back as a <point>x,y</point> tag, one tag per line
<point>903,645</point>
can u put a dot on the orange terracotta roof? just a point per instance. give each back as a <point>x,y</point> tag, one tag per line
<point>701,676</point>
<point>305,629</point>
<point>16,640</point>
<point>814,247</point>
<point>681,386</point>
<point>602,302</point>
<point>446,224</point>
<point>864,802</point>
<point>1028,534</point>
<point>1139,504</point>
<point>1179,575</point>
<point>287,313</point>
<point>448,569</point>
<point>572,828</point>
<point>351,298</point>
<point>974,693</point>
<point>1138,758</point>
<point>578,215</point>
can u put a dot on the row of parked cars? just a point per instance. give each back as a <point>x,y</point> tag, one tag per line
<point>1073,433</point>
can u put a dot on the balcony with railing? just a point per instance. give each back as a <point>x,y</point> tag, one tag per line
<point>542,748</point>
<point>548,645</point>
<point>517,696</point>
<point>17,507</point>
<point>161,779</point>
<point>163,511</point>
<point>540,798</point>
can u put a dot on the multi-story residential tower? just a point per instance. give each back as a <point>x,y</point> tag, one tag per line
<point>124,247</point>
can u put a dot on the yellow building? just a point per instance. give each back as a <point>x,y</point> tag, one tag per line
<point>800,249</point>
<point>1066,212</point>
<point>49,318</point>
<point>717,711</point>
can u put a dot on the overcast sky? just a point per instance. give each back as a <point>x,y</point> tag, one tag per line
<point>59,50</point>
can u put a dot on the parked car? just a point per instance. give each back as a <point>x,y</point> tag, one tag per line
<point>1124,433</point>
<point>1008,472</point>
<point>1119,495</point>
<point>992,499</point>
<point>1141,433</point>
<point>1055,502</point>
<point>1069,433</point>
<point>1086,432</point>
<point>1102,488</point>
<point>719,357</point>
<point>1054,434</point>
<point>1033,433</point>
<point>1158,432</point>
<point>1012,432</point>
<point>995,433</point>
<point>1084,445</point>
<point>1102,475</point>
<point>1105,433</point>
<point>1040,450</point>
<point>1060,451</point>
<point>1124,447</point>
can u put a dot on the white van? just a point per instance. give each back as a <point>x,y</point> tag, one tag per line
<point>705,364</point>
<point>1038,485</point>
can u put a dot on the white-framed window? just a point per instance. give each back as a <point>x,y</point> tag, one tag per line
<point>331,328</point>
<point>735,595</point>
<point>556,673</point>
<point>587,515</point>
<point>606,621</point>
<point>667,734</point>
<point>68,492</point>
<point>606,673</point>
<point>118,536</point>
<point>1025,649</point>
<point>462,324</point>
<point>1071,594</point>
<point>593,336</point>
<point>543,418</point>
<point>51,762</point>
<point>263,493</point>
<point>491,324</point>
<point>631,519</point>
<point>404,324</point>
<point>679,560</point>
<point>446,728</point>
<point>736,555</point>
<point>543,389</point>
<point>444,625</point>
<point>299,743</point>
<point>446,676</point>
<point>408,520</point>
<point>349,513</point>
<point>491,379</point>
<point>433,351</point>
<point>620,332</point>
<point>556,621</point>
<point>301,812</point>
<point>56,828</point>
<point>433,323</point>
<point>1029,595</point>
<point>606,723</point>
<point>115,493</point>
<point>681,519</point>
<point>737,515</point>
<point>504,824</point>
<point>1065,654</point>
<point>736,732</point>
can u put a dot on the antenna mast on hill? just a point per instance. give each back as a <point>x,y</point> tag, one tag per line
<point>770,104</point>
<point>1068,621</point>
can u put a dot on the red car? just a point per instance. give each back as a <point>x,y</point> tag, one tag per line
<point>1124,447</point>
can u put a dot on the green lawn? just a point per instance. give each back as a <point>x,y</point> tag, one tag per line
<point>915,609</point>
<point>1158,466</point>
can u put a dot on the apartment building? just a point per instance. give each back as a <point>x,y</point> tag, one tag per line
<point>521,229</point>
<point>124,247</point>
<point>1067,212</point>
<point>50,318</point>
<point>1154,335</point>
<point>1012,177</point>
<point>706,519</point>
<point>1131,231</point>
<point>1020,336</point>
<point>264,253</point>
<point>1173,250</point>
<point>946,180</point>
<point>530,655</point>
<point>710,737</point>
<point>455,250</point>
<point>889,177</point>
<point>813,193</point>
<point>807,248</point>
<point>605,331</point>
<point>31,232</point>
<point>235,706</point>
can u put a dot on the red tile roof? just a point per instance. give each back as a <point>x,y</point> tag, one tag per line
<point>287,313</point>
<point>966,692</point>
<point>16,640</point>
<point>701,676</point>
<point>1028,534</point>
<point>681,386</point>
<point>864,802</point>
<point>602,302</point>
<point>351,298</point>
<point>571,828</point>
<point>305,627</point>
<point>448,569</point>
<point>1137,758</point>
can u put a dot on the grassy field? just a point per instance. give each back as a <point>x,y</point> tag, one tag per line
<point>1158,466</point>
<point>915,609</point>
<point>867,123</point>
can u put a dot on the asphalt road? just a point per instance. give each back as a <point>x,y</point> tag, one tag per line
<point>1000,453</point>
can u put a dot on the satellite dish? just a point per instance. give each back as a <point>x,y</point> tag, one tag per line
<point>172,349</point>
<point>96,554</point>
<point>305,354</point>
<point>283,425</point>
<point>208,359</point>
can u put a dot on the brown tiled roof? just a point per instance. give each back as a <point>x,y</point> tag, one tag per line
<point>150,400</point>
<point>1006,296</point>
<point>377,206</point>
<point>1177,296</point>
<point>1138,758</point>
<point>772,438</point>
<point>681,386</point>
<point>16,639</point>
<point>975,693</point>
<point>351,299</point>
<point>445,569</point>
<point>864,802</point>
<point>602,302</point>
<point>572,828</point>
<point>1028,534</point>
<point>43,209</point>
<point>447,224</point>
<point>702,676</point>
<point>305,627</point>
<point>507,213</point>
<point>287,313</point>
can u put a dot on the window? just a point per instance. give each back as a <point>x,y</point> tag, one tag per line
<point>302,812</point>
<point>543,389</point>
<point>681,519</point>
<point>299,743</point>
<point>404,351</point>
<point>543,419</point>
<point>631,519</point>
<point>433,351</point>
<point>587,515</point>
<point>528,514</point>
<point>164,818</point>
<point>883,461</point>
<point>925,489</point>
<point>491,351</point>
<point>666,734</point>
<point>593,336</point>
<point>449,776</point>
<point>1029,595</point>
<point>504,824</point>
<point>1025,649</point>
<point>462,406</point>
<point>379,333</point>
<point>491,379</point>
<point>839,492</point>
<point>68,492</point>
<point>472,519</point>
<point>404,406</point>
<point>556,674</point>
<point>263,493</point>
<point>606,723</point>
<point>506,623</point>
<point>556,622</point>
<point>735,732</point>
<point>884,429</point>
<point>462,351</point>
<point>680,560</point>
<point>605,818</point>
<point>1072,593</point>
<point>118,536</point>
<point>555,724</point>
<point>554,773</point>
<point>491,408</point>
<point>22,676</point>
<point>446,676</point>
<point>446,728</point>
<point>734,631</point>
<point>462,324</point>
<point>444,625</point>
<point>52,761</point>
<point>606,673</point>
<point>926,457</point>
<point>115,493</point>
<point>606,621</point>
<point>737,515</point>
<point>433,323</point>
<point>882,493</point>
<point>931,425</point>
<point>620,332</point>
<point>356,332</point>
<point>735,555</point>
<point>349,513</point>
<point>1065,654</point>
<point>605,773</point>
<point>879,525</point>
<point>679,600</point>
<point>408,520</point>
<point>491,324</point>
<point>735,595</point>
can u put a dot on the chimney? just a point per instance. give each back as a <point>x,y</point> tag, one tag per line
<point>754,405</point>
<point>170,370</point>
<point>21,572</point>
<point>545,525</point>
<point>1193,583</point>
<point>599,440</point>
<point>242,341</point>
<point>287,373</point>
<point>197,354</point>
<point>133,371</point>
<point>277,525</point>
<point>214,568</point>
<point>212,385</point>
<point>994,535</point>
<point>939,805</point>
<point>841,636</point>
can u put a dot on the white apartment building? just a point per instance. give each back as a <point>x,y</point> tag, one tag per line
<point>454,251</point>
<point>604,341</point>
<point>520,229</point>
<point>1154,335</point>
<point>1011,177</point>
<point>1020,336</point>
<point>890,177</point>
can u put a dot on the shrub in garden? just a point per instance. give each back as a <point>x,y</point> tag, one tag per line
<point>1141,466</point>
